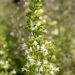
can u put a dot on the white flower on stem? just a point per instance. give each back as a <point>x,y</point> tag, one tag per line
<point>48,42</point>
<point>26,52</point>
<point>43,48</point>
<point>1,62</point>
<point>32,23</point>
<point>13,72</point>
<point>44,21</point>
<point>32,28</point>
<point>36,27</point>
<point>38,47</point>
<point>52,72</point>
<point>40,17</point>
<point>23,69</point>
<point>26,3</point>
<point>35,43</point>
<point>28,57</point>
<point>35,11</point>
<point>27,65</point>
<point>46,52</point>
<point>57,69</point>
<point>12,33</point>
<point>30,48</point>
<point>51,66</point>
<point>38,24</point>
<point>1,52</point>
<point>45,62</point>
<point>45,31</point>
<point>31,61</point>
<point>41,10</point>
<point>41,68</point>
<point>38,63</point>
<point>55,32</point>
<point>23,45</point>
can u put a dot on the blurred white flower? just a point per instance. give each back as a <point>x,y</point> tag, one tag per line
<point>12,33</point>
<point>23,69</point>
<point>26,3</point>
<point>38,47</point>
<point>55,32</point>
<point>26,52</point>
<point>45,62</point>
<point>35,43</point>
<point>38,63</point>
<point>13,72</point>
<point>27,65</point>
<point>31,23</point>
<point>41,68</point>
<point>44,20</point>
<point>52,72</point>
<point>41,10</point>
<point>31,61</point>
<point>38,24</point>
<point>23,45</point>
<point>40,17</point>
<point>51,66</point>
<point>46,52</point>
<point>43,48</point>
<point>1,52</point>
<point>57,69</point>
<point>1,62</point>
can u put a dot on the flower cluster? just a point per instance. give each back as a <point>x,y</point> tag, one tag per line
<point>39,52</point>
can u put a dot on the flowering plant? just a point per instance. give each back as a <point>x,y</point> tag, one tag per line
<point>39,52</point>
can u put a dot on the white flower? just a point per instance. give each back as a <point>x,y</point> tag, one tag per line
<point>27,65</point>
<point>13,72</point>
<point>20,25</point>
<point>38,47</point>
<point>38,63</point>
<point>40,17</point>
<point>35,11</point>
<point>23,46</point>
<point>28,57</point>
<point>46,52</point>
<point>36,27</point>
<point>26,3</point>
<point>30,48</point>
<point>55,32</point>
<point>1,52</point>
<point>41,10</point>
<point>6,65</point>
<point>38,24</point>
<point>45,31</point>
<point>23,69</point>
<point>41,68</point>
<point>45,62</point>
<point>51,66</point>
<point>48,42</point>
<point>52,72</point>
<point>32,28</point>
<point>1,62</point>
<point>57,69</point>
<point>43,48</point>
<point>35,43</point>
<point>44,21</point>
<point>31,61</point>
<point>32,23</point>
<point>54,23</point>
<point>26,51</point>
<point>12,33</point>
